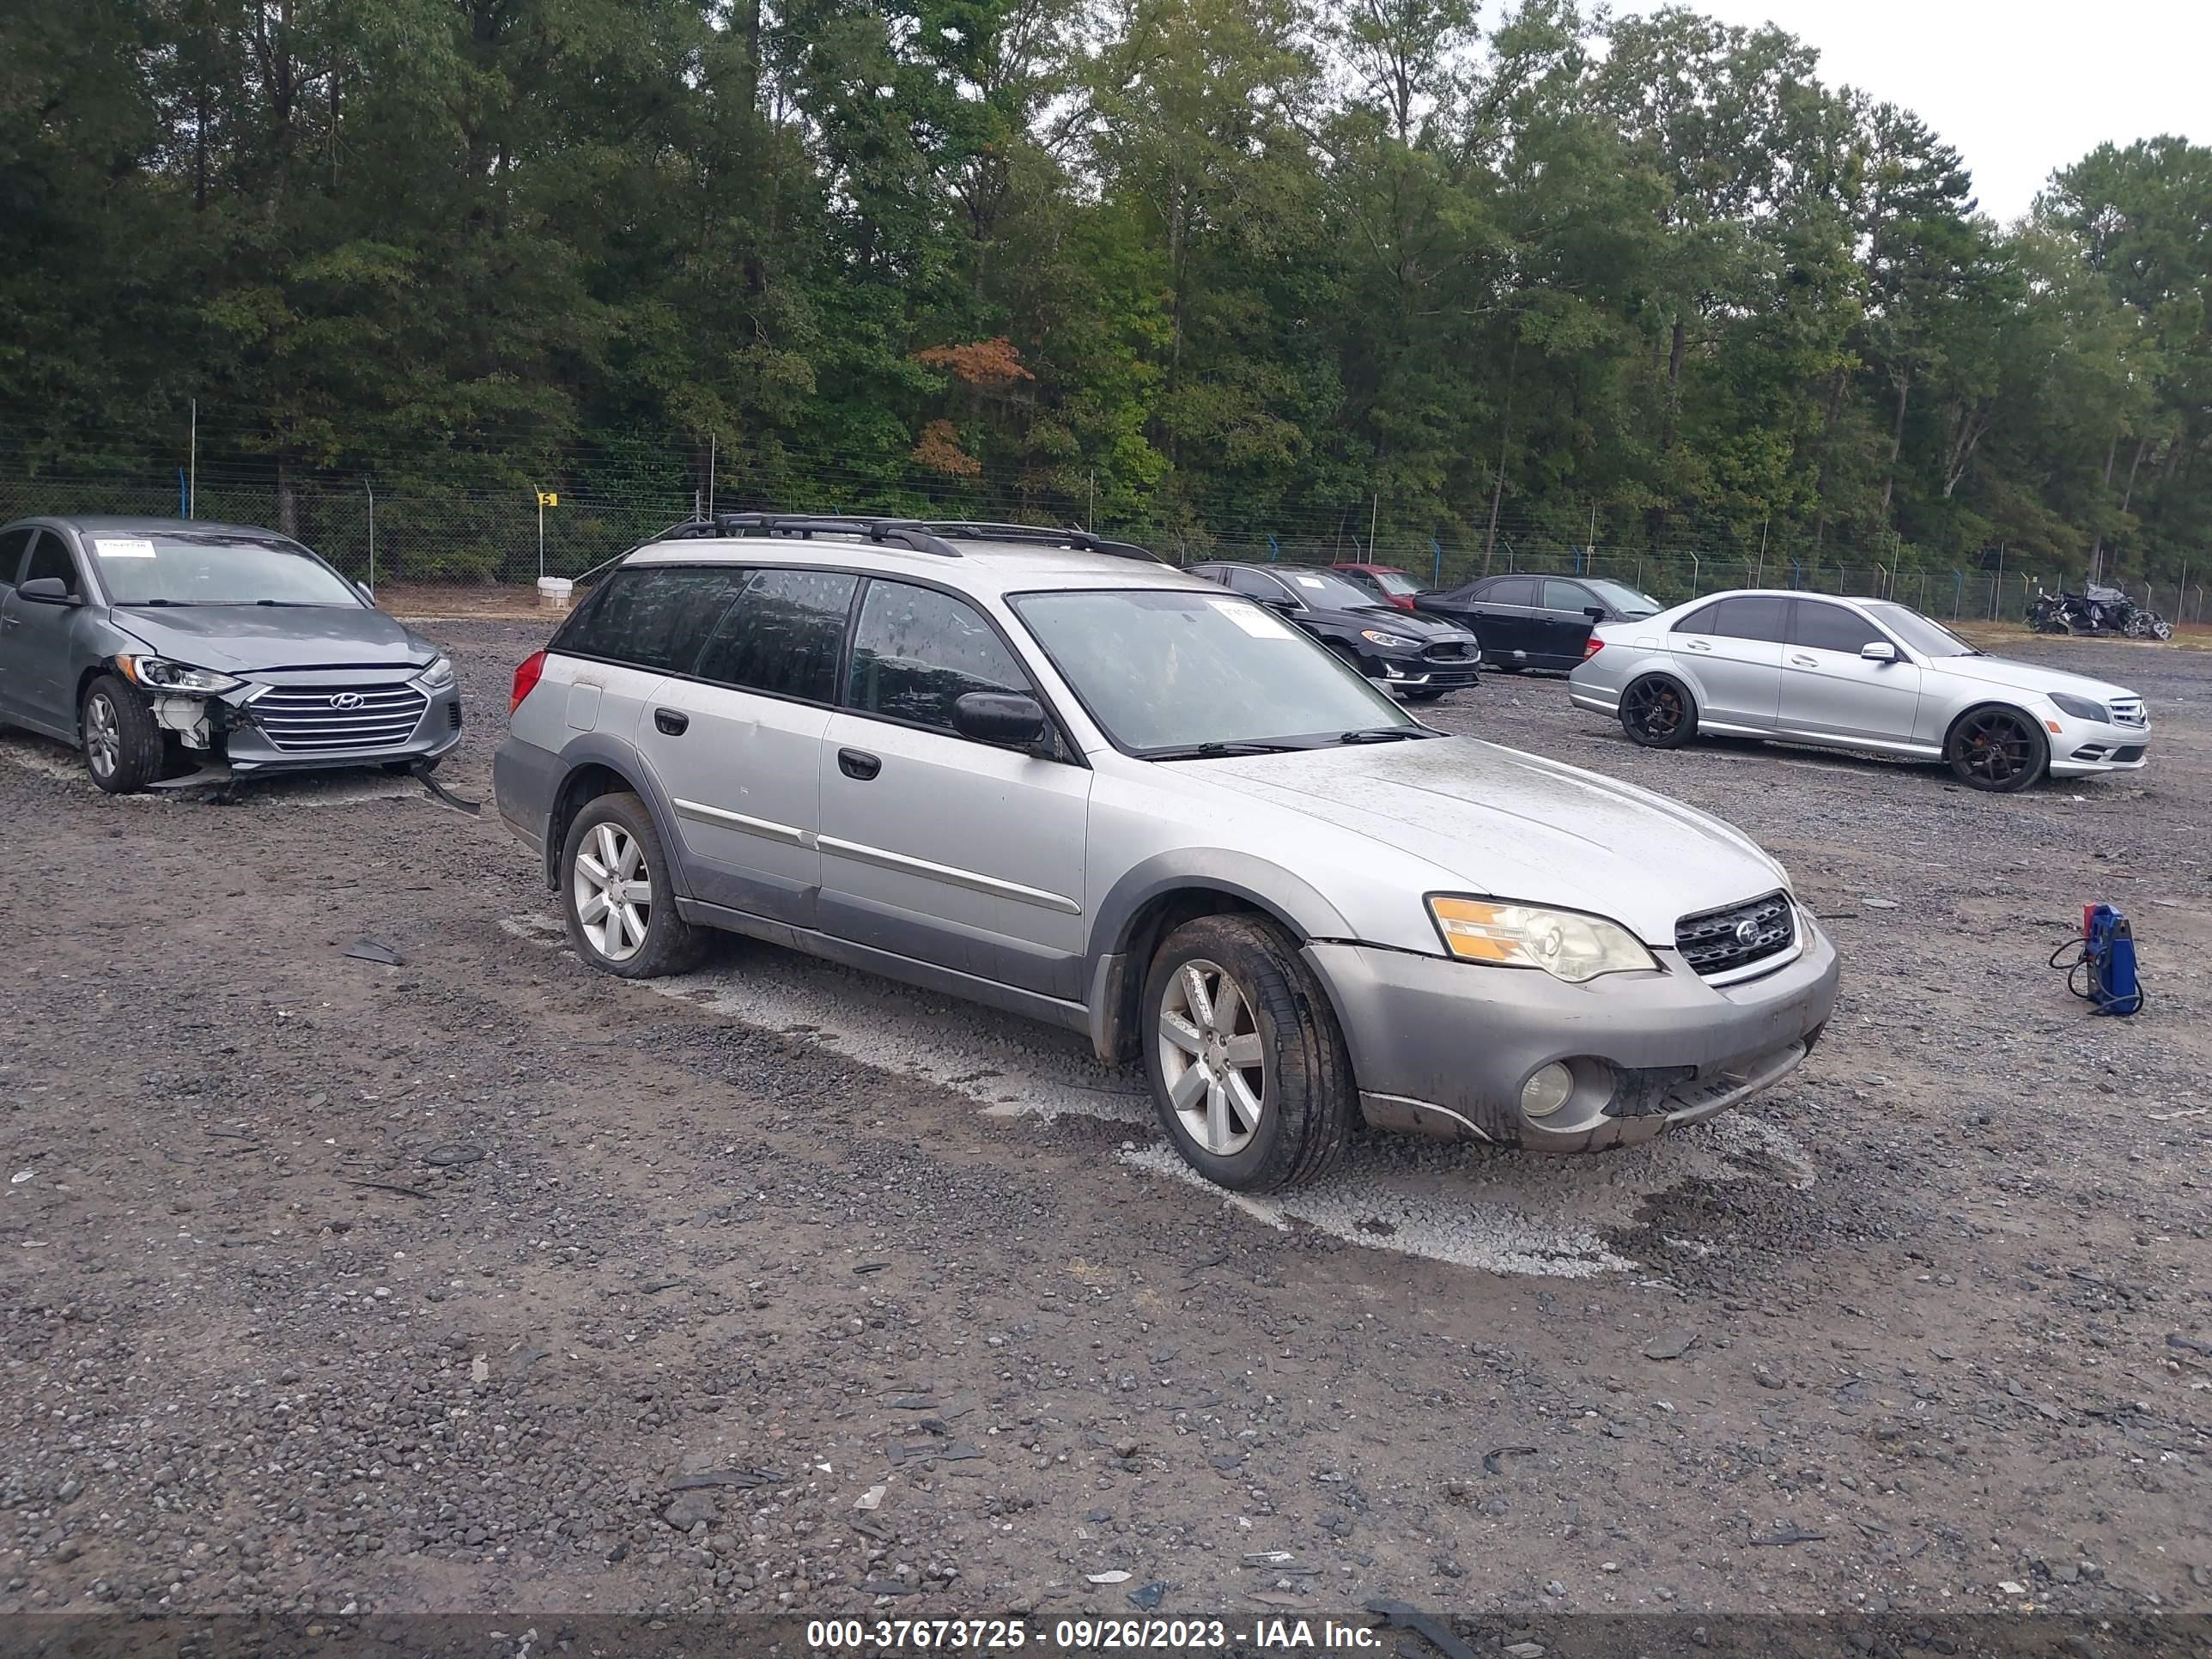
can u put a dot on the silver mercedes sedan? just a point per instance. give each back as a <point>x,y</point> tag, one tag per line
<point>1864,674</point>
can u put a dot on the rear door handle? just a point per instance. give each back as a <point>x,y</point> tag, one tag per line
<point>859,764</point>
<point>672,721</point>
<point>1697,645</point>
<point>1806,662</point>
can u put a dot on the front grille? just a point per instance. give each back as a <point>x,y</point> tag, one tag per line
<point>2129,711</point>
<point>1715,941</point>
<point>1449,651</point>
<point>300,721</point>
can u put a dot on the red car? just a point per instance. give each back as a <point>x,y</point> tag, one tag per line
<point>1386,582</point>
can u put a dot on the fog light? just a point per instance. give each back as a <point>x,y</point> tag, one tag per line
<point>1546,1092</point>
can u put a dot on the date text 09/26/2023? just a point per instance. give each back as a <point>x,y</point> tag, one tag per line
<point>1087,1634</point>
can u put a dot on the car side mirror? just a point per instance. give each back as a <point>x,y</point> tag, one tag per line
<point>1878,651</point>
<point>1594,612</point>
<point>1013,719</point>
<point>1287,606</point>
<point>366,592</point>
<point>46,590</point>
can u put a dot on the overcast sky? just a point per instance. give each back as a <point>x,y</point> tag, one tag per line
<point>2019,87</point>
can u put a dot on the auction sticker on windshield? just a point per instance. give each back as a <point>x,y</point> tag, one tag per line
<point>1252,619</point>
<point>131,547</point>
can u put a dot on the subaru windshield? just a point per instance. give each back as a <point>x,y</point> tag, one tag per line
<point>1171,674</point>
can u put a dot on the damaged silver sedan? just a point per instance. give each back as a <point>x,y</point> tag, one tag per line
<point>170,650</point>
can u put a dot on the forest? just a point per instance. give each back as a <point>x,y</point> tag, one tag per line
<point>1407,274</point>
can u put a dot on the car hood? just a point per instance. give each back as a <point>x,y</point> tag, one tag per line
<point>1505,824</point>
<point>244,639</point>
<point>1390,619</point>
<point>2026,677</point>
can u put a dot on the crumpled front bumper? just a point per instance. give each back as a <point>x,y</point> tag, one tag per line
<point>224,728</point>
<point>1444,1047</point>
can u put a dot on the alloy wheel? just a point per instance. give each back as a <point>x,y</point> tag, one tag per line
<point>1654,708</point>
<point>103,736</point>
<point>613,891</point>
<point>1996,747</point>
<point>1212,1057</point>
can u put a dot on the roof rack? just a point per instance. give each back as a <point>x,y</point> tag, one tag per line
<point>896,532</point>
<point>1083,540</point>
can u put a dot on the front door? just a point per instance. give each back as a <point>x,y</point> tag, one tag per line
<point>1828,689</point>
<point>39,663</point>
<point>935,846</point>
<point>1733,649</point>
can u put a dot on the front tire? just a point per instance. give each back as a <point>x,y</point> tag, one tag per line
<point>123,749</point>
<point>1658,712</point>
<point>2000,750</point>
<point>1248,1068</point>
<point>1422,696</point>
<point>617,896</point>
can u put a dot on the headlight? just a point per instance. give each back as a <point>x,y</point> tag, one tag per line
<point>1395,642</point>
<point>2081,708</point>
<point>1564,944</point>
<point>437,677</point>
<point>175,679</point>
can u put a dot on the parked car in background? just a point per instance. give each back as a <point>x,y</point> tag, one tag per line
<point>1388,584</point>
<point>1847,673</point>
<point>1055,776</point>
<point>1534,620</point>
<point>145,643</point>
<point>1420,657</point>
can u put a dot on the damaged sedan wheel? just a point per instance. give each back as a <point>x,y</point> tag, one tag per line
<point>622,918</point>
<point>123,749</point>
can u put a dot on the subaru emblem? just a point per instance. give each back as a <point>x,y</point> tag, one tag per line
<point>352,700</point>
<point>1747,931</point>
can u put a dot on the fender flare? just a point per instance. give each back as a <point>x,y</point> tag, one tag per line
<point>597,748</point>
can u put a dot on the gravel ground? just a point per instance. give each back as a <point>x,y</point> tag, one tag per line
<point>481,1281</point>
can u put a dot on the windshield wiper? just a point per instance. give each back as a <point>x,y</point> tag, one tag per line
<point>1209,750</point>
<point>179,604</point>
<point>1385,733</point>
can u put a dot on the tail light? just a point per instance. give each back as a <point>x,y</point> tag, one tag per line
<point>1592,646</point>
<point>526,673</point>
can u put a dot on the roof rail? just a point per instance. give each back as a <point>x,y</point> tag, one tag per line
<point>896,532</point>
<point>1070,537</point>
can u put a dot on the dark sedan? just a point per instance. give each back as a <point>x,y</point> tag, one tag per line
<point>156,645</point>
<point>1527,621</point>
<point>1421,658</point>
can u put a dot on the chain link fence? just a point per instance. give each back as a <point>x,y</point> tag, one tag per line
<point>422,534</point>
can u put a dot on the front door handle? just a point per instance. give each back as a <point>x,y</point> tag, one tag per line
<point>859,764</point>
<point>1806,662</point>
<point>673,721</point>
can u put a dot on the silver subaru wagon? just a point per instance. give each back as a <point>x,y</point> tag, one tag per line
<point>1047,774</point>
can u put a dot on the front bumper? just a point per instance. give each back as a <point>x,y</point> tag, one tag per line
<point>1444,1047</point>
<point>230,729</point>
<point>2080,748</point>
<point>1415,673</point>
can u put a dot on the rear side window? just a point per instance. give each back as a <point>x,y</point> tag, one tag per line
<point>1831,627</point>
<point>651,616</point>
<point>1511,590</point>
<point>50,556</point>
<point>916,652</point>
<point>13,546</point>
<point>783,636</point>
<point>1737,619</point>
<point>1253,583</point>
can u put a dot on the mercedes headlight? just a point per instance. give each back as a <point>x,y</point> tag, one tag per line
<point>2081,708</point>
<point>1564,944</point>
<point>175,679</point>
<point>1395,642</point>
<point>437,677</point>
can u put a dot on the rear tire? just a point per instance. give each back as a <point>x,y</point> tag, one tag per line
<point>1242,1050</point>
<point>617,895</point>
<point>1658,712</point>
<point>1999,750</point>
<point>123,749</point>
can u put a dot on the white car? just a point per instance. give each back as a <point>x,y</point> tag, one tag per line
<point>1868,674</point>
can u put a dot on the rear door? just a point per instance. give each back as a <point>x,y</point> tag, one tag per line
<point>935,846</point>
<point>737,744</point>
<point>1829,690</point>
<point>1566,619</point>
<point>1504,614</point>
<point>1733,649</point>
<point>14,679</point>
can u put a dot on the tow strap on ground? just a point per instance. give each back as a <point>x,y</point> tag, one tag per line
<point>444,796</point>
<point>2105,958</point>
